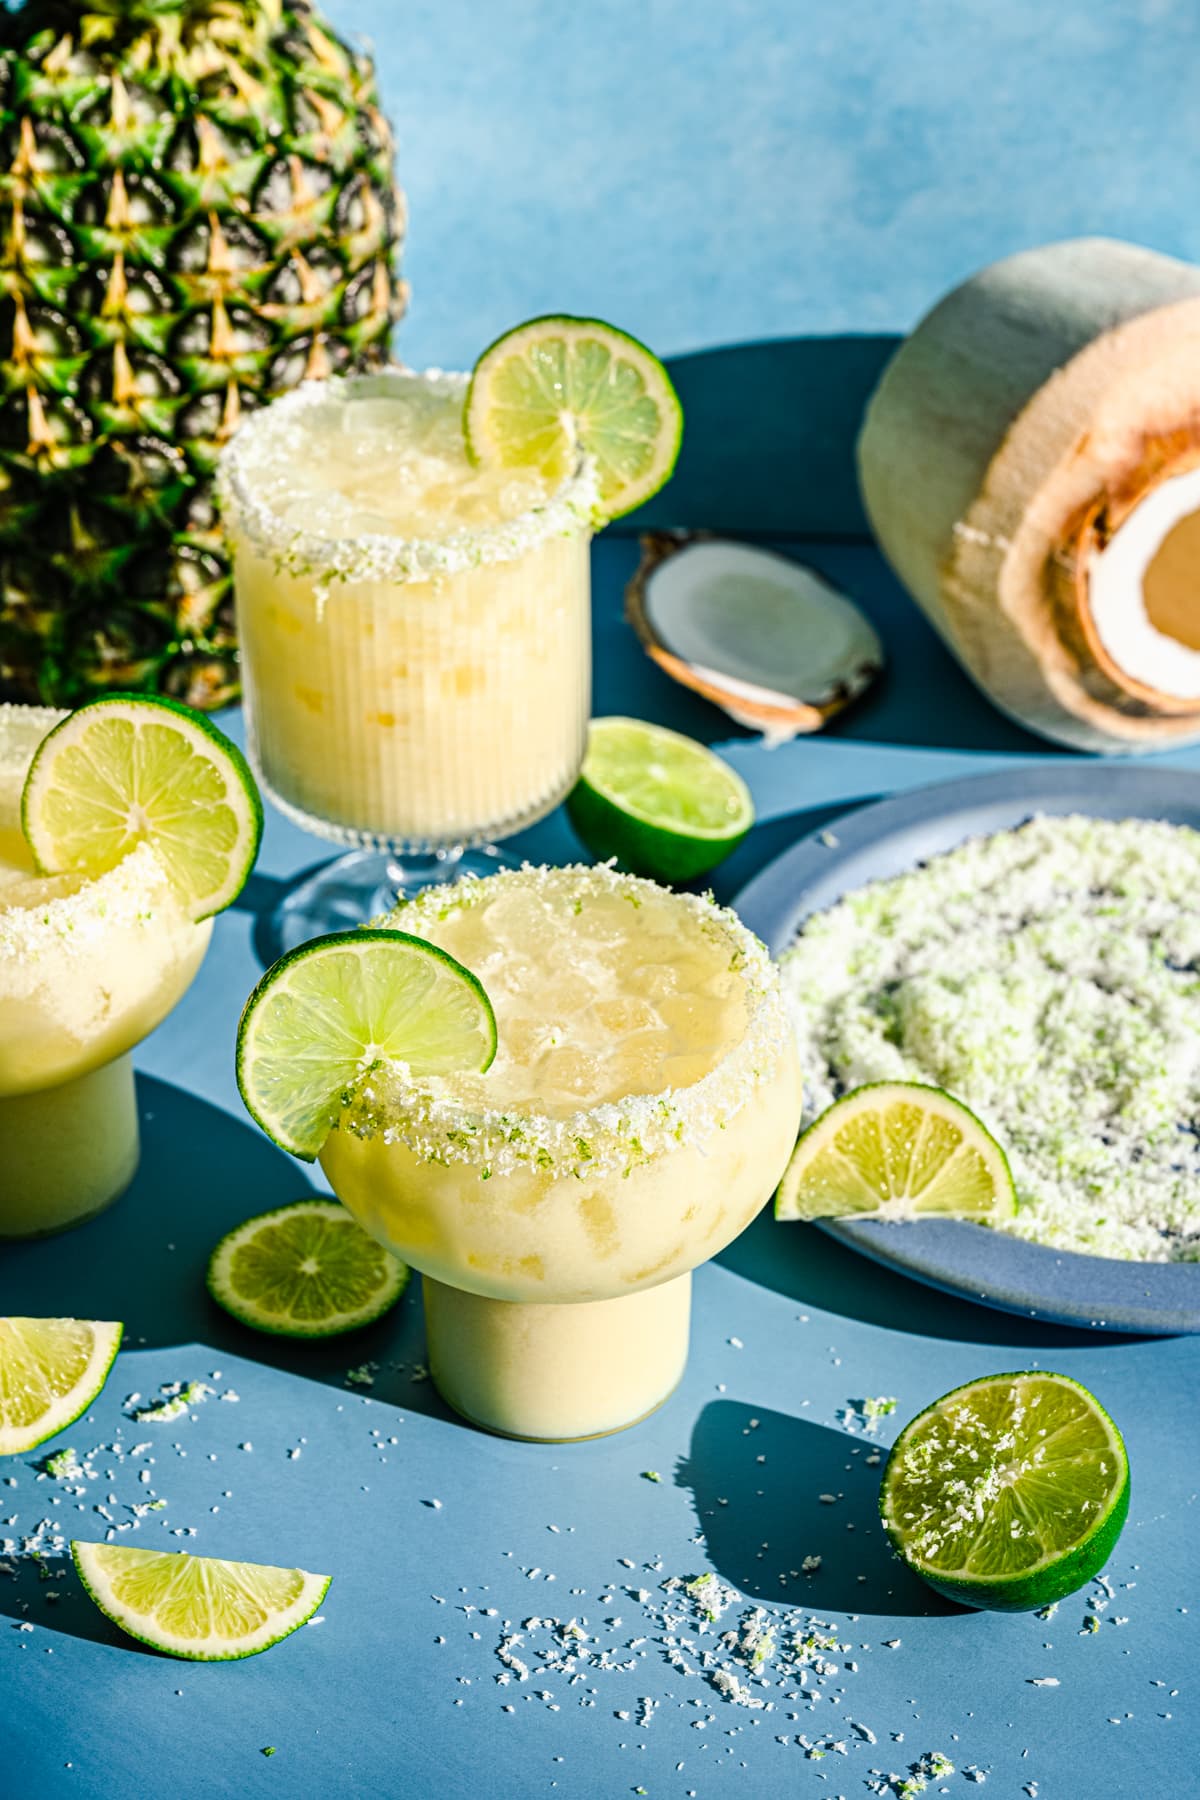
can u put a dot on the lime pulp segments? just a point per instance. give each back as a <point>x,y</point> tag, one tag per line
<point>198,1607</point>
<point>662,804</point>
<point>897,1150</point>
<point>327,1013</point>
<point>557,388</point>
<point>130,769</point>
<point>1008,1493</point>
<point>50,1372</point>
<point>306,1270</point>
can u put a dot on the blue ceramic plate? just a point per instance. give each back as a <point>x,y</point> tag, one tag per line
<point>892,836</point>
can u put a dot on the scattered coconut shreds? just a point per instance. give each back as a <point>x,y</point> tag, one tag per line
<point>177,1398</point>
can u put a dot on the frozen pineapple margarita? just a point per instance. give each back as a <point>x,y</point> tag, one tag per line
<point>640,1106</point>
<point>415,630</point>
<point>89,964</point>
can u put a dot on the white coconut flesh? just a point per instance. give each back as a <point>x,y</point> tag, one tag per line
<point>1144,590</point>
<point>760,626</point>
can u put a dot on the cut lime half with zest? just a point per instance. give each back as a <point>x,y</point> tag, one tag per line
<point>659,802</point>
<point>50,1372</point>
<point>199,1607</point>
<point>305,1271</point>
<point>1009,1493</point>
<point>556,389</point>
<point>330,1011</point>
<point>132,769</point>
<point>897,1150</point>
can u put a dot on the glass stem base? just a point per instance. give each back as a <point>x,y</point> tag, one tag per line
<point>554,1373</point>
<point>361,885</point>
<point>67,1152</point>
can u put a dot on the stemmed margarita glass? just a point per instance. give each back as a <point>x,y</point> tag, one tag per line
<point>415,636</point>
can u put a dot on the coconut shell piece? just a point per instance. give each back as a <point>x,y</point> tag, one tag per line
<point>764,638</point>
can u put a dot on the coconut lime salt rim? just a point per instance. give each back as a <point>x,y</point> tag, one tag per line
<point>610,1138</point>
<point>280,434</point>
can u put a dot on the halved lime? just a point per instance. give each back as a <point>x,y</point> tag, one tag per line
<point>50,1372</point>
<point>558,387</point>
<point>199,1607</point>
<point>330,1011</point>
<point>130,769</point>
<point>306,1270</point>
<point>1008,1493</point>
<point>897,1150</point>
<point>659,802</point>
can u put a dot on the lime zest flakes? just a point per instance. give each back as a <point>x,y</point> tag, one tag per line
<point>64,1465</point>
<point>651,1475</point>
<point>178,1398</point>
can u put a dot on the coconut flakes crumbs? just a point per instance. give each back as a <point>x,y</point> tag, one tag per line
<point>178,1398</point>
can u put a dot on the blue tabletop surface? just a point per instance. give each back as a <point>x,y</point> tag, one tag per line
<point>447,1546</point>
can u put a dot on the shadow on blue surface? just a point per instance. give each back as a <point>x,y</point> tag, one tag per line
<point>769,444</point>
<point>25,1598</point>
<point>806,1265</point>
<point>202,1172</point>
<point>762,1518</point>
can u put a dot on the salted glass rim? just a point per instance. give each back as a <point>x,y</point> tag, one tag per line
<point>276,433</point>
<point>615,1136</point>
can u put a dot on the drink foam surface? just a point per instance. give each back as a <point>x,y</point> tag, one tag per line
<point>390,463</point>
<point>597,995</point>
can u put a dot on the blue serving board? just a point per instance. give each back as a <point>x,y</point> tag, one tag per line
<point>392,1695</point>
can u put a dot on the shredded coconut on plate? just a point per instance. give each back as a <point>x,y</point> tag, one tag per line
<point>1049,978</point>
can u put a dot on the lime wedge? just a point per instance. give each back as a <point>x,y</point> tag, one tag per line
<point>659,802</point>
<point>200,1607</point>
<point>1009,1493</point>
<point>131,769</point>
<point>50,1372</point>
<point>329,1012</point>
<point>304,1271</point>
<point>558,387</point>
<point>897,1150</point>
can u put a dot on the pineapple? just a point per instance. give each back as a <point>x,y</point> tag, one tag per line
<point>197,211</point>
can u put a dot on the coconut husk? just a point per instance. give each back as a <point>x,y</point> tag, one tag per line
<point>1025,418</point>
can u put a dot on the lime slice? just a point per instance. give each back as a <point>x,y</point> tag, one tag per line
<point>50,1371</point>
<point>131,769</point>
<point>304,1271</point>
<point>659,802</point>
<point>556,387</point>
<point>330,1011</point>
<point>1009,1493</point>
<point>897,1150</point>
<point>200,1607</point>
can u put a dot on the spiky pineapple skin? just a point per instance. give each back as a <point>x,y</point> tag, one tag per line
<point>197,211</point>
